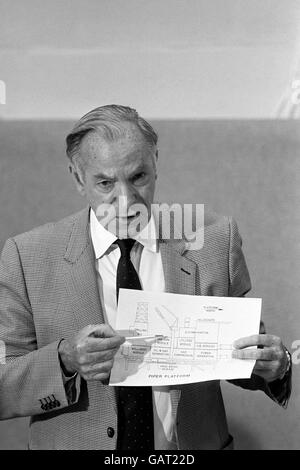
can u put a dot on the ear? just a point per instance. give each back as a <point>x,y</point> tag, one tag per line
<point>78,178</point>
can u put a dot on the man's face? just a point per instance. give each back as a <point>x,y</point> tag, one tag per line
<point>118,174</point>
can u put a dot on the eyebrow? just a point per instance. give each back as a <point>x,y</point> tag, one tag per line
<point>102,176</point>
<point>106,177</point>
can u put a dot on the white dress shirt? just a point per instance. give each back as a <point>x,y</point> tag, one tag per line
<point>146,259</point>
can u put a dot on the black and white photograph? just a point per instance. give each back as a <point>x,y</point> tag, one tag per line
<point>149,227</point>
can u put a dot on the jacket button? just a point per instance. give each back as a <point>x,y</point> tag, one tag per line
<point>110,432</point>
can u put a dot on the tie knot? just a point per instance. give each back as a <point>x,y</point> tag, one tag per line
<point>125,245</point>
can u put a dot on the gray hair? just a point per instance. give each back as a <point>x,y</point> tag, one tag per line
<point>108,121</point>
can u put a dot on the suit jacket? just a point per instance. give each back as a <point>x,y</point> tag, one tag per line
<point>48,291</point>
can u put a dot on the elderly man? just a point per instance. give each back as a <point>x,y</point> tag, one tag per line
<point>59,289</point>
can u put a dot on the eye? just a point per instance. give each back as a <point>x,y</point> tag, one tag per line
<point>140,178</point>
<point>105,185</point>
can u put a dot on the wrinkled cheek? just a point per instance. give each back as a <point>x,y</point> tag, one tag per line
<point>96,199</point>
<point>148,195</point>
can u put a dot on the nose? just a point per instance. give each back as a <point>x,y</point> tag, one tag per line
<point>126,198</point>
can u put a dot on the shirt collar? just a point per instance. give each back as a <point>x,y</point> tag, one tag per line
<point>102,239</point>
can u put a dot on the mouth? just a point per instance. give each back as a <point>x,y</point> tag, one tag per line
<point>127,217</point>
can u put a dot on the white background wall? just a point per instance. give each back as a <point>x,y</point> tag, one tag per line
<point>167,58</point>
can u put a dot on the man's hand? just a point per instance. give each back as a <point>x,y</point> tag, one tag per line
<point>91,352</point>
<point>271,359</point>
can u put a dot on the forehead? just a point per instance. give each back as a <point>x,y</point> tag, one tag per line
<point>130,149</point>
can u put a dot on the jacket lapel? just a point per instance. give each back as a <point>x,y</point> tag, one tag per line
<point>81,281</point>
<point>179,272</point>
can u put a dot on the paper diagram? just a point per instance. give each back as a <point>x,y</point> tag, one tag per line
<point>198,335</point>
<point>187,342</point>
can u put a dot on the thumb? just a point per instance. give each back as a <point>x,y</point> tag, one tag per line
<point>100,331</point>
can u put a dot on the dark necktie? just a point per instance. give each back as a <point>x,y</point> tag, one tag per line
<point>135,408</point>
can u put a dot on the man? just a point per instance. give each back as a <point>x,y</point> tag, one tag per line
<point>59,288</point>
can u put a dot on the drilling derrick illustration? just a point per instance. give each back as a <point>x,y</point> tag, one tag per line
<point>135,352</point>
<point>141,323</point>
<point>172,322</point>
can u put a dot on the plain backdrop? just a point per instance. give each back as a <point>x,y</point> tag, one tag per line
<point>168,58</point>
<point>243,168</point>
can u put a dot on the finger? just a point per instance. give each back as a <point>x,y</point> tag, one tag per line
<point>267,375</point>
<point>257,340</point>
<point>103,344</point>
<point>266,365</point>
<point>96,357</point>
<point>267,354</point>
<point>100,331</point>
<point>100,368</point>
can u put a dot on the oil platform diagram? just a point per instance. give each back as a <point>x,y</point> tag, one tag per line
<point>186,341</point>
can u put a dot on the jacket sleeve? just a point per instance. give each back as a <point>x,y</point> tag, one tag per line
<point>239,285</point>
<point>239,279</point>
<point>30,378</point>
